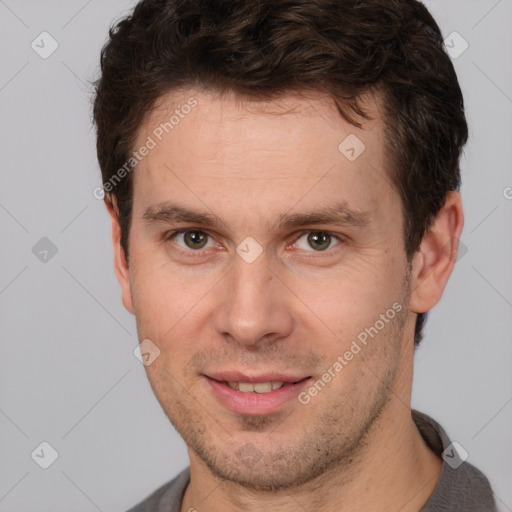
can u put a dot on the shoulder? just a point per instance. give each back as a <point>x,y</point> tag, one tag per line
<point>167,497</point>
<point>461,486</point>
<point>464,489</point>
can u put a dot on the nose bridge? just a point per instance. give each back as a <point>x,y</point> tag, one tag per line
<point>250,293</point>
<point>253,304</point>
<point>252,276</point>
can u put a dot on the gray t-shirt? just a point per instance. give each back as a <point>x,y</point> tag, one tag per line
<point>461,486</point>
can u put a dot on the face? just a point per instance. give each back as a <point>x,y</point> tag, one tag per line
<point>262,251</point>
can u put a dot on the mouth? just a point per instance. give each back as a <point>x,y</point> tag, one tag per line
<point>258,387</point>
<point>256,395</point>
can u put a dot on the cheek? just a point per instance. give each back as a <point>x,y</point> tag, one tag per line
<point>169,303</point>
<point>351,299</point>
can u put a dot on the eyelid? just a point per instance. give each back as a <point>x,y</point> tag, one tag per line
<point>170,235</point>
<point>340,238</point>
<point>296,236</point>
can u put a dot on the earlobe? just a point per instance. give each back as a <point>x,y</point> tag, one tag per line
<point>121,267</point>
<point>434,261</point>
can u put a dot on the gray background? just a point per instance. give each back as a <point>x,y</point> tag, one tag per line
<point>68,374</point>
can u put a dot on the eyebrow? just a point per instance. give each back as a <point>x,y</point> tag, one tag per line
<point>167,213</point>
<point>338,214</point>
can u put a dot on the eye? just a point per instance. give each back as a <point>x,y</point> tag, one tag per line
<point>318,240</point>
<point>192,239</point>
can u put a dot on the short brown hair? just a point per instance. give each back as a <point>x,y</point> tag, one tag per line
<point>261,49</point>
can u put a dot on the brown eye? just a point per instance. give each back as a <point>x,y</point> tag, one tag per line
<point>195,239</point>
<point>319,240</point>
<point>191,243</point>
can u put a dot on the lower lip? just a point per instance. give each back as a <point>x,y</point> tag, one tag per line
<point>255,403</point>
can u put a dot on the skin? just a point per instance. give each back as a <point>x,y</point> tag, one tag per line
<point>294,309</point>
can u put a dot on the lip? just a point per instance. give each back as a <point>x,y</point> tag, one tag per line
<point>255,404</point>
<point>234,376</point>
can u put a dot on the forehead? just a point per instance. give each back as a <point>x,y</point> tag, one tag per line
<point>227,114</point>
<point>289,149</point>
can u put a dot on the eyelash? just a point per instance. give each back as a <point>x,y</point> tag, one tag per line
<point>190,253</point>
<point>335,236</point>
<point>183,252</point>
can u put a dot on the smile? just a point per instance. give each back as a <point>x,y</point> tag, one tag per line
<point>259,387</point>
<point>256,397</point>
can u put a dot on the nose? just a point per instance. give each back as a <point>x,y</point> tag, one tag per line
<point>254,304</point>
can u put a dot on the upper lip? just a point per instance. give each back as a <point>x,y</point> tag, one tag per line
<point>235,376</point>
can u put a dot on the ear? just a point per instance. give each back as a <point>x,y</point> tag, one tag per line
<point>120,262</point>
<point>433,263</point>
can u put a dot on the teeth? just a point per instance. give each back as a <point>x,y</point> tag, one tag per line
<point>246,388</point>
<point>259,387</point>
<point>263,387</point>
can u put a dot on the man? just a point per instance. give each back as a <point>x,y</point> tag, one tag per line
<point>282,179</point>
